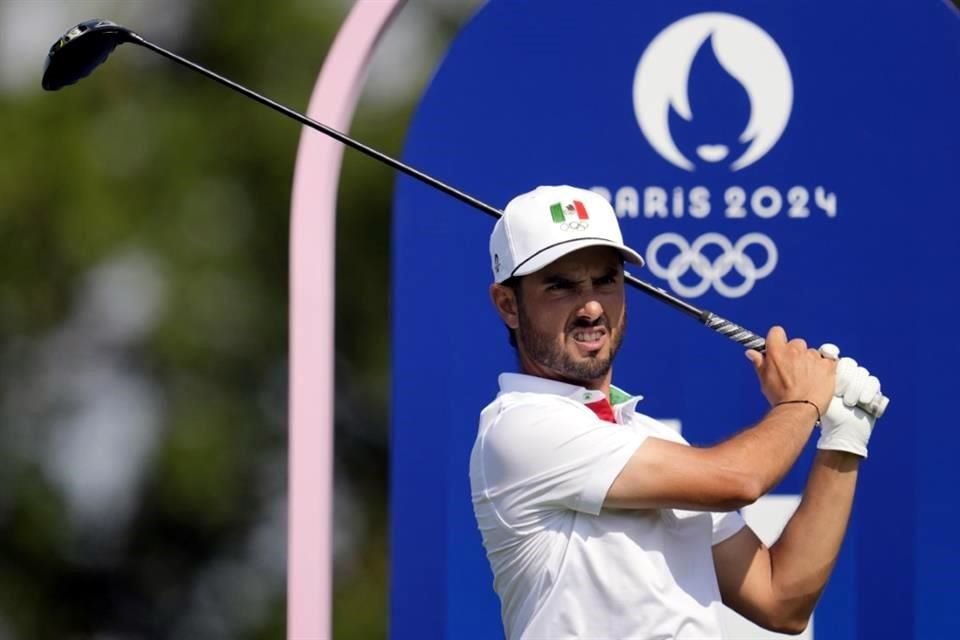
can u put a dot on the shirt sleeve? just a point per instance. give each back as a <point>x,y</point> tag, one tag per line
<point>725,524</point>
<point>544,455</point>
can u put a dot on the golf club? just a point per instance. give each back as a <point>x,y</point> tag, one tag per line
<point>86,46</point>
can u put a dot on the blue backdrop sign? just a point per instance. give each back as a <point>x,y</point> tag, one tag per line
<point>776,162</point>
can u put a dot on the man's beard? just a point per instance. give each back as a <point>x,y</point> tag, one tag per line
<point>542,349</point>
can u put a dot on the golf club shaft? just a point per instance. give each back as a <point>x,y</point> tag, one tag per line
<point>734,332</point>
<point>708,319</point>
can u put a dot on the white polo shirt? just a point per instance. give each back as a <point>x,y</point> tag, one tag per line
<point>563,566</point>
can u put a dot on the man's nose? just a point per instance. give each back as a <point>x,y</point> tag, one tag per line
<point>591,310</point>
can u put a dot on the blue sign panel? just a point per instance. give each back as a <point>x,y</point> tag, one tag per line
<point>775,162</point>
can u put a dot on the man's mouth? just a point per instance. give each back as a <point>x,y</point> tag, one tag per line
<point>590,339</point>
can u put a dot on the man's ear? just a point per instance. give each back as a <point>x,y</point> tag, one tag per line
<point>505,300</point>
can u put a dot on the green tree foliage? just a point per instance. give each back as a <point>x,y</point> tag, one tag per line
<point>144,217</point>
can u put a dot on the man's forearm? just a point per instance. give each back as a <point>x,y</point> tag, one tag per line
<point>803,558</point>
<point>769,449</point>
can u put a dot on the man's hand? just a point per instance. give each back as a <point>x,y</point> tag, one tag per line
<point>791,371</point>
<point>845,427</point>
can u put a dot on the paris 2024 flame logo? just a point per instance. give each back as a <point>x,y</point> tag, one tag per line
<point>713,94</point>
<point>745,52</point>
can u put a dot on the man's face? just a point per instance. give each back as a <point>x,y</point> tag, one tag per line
<point>571,317</point>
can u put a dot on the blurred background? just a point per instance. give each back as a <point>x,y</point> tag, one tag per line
<point>143,320</point>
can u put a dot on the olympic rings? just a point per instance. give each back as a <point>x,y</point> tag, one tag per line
<point>691,256</point>
<point>575,225</point>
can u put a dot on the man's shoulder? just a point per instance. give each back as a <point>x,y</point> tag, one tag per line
<point>515,411</point>
<point>514,400</point>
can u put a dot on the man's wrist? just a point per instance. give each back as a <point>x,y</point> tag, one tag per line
<point>838,460</point>
<point>806,406</point>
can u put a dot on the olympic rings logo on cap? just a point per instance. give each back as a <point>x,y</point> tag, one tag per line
<point>733,256</point>
<point>575,225</point>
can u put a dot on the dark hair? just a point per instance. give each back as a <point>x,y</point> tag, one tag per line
<point>514,283</point>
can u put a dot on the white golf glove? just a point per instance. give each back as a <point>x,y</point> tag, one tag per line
<point>844,426</point>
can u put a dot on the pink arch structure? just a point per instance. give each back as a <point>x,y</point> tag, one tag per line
<point>312,232</point>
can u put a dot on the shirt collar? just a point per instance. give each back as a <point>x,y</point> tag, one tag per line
<point>534,384</point>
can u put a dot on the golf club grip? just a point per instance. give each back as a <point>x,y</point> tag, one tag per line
<point>875,407</point>
<point>735,332</point>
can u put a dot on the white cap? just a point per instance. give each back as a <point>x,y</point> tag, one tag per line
<point>546,224</point>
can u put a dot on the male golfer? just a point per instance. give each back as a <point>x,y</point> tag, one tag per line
<point>602,523</point>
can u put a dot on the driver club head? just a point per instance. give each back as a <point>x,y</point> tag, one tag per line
<point>81,50</point>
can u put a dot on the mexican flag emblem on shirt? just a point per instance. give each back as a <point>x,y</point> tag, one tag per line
<point>561,211</point>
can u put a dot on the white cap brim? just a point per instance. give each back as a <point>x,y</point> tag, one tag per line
<point>554,252</point>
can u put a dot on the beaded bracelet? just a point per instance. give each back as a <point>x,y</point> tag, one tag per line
<point>812,404</point>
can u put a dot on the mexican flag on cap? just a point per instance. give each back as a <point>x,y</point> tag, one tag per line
<point>559,211</point>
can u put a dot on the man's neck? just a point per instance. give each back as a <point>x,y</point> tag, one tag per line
<point>599,384</point>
